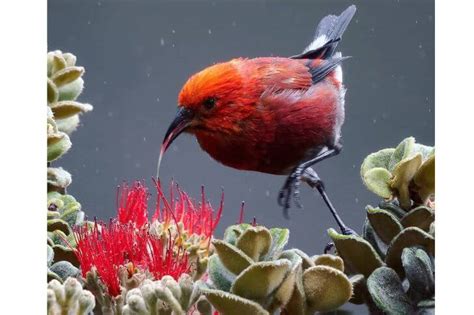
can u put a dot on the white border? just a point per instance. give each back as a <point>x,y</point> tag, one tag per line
<point>23,156</point>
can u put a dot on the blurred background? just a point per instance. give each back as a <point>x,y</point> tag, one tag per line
<point>138,54</point>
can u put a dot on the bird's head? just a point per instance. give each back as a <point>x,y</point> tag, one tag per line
<point>209,102</point>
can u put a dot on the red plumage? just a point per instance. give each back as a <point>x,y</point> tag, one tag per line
<point>273,115</point>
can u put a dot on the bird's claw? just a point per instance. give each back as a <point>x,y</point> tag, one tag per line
<point>289,189</point>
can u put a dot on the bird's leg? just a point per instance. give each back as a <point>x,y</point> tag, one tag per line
<point>292,183</point>
<point>313,180</point>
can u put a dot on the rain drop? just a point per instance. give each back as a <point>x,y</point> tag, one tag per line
<point>162,41</point>
<point>157,99</point>
<point>209,31</point>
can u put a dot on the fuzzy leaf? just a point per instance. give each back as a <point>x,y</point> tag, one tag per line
<point>384,223</point>
<point>368,233</point>
<point>402,151</point>
<point>420,217</point>
<point>419,271</point>
<point>260,279</point>
<point>409,237</point>
<point>356,252</point>
<point>329,260</point>
<point>424,179</point>
<point>393,208</point>
<point>387,292</point>
<point>359,288</point>
<point>65,253</point>
<point>64,269</point>
<point>67,75</point>
<point>279,241</point>
<point>220,276</point>
<point>426,151</point>
<point>71,91</point>
<point>66,109</point>
<point>231,304</point>
<point>58,144</point>
<point>234,231</point>
<point>70,59</point>
<point>326,288</point>
<point>285,291</point>
<point>255,242</point>
<point>58,177</point>
<point>307,262</point>
<point>297,303</point>
<point>377,181</point>
<point>58,224</point>
<point>231,257</point>
<point>57,63</point>
<point>68,125</point>
<point>402,176</point>
<point>376,160</point>
<point>50,255</point>
<point>53,93</point>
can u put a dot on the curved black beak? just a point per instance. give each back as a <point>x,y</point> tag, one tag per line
<point>178,125</point>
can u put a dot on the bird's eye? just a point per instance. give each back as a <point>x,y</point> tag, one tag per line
<point>209,103</point>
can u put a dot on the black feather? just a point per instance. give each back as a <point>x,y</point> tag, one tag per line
<point>332,27</point>
<point>319,72</point>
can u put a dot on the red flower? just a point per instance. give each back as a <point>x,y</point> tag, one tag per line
<point>197,219</point>
<point>132,204</point>
<point>126,240</point>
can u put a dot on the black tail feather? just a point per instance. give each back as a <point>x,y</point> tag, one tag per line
<point>328,34</point>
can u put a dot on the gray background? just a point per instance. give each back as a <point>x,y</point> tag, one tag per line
<point>138,54</point>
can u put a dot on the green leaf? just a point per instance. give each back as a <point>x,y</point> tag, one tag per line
<point>219,275</point>
<point>387,292</point>
<point>67,75</point>
<point>57,63</point>
<point>65,253</point>
<point>260,279</point>
<point>58,224</point>
<point>402,151</point>
<point>68,125</point>
<point>70,59</point>
<point>426,151</point>
<point>66,109</point>
<point>402,177</point>
<point>53,93</point>
<point>231,257</point>
<point>71,91</point>
<point>279,240</point>
<point>419,272</point>
<point>409,237</point>
<point>384,223</point>
<point>424,179</point>
<point>64,269</point>
<point>255,242</point>
<point>377,181</point>
<point>359,288</point>
<point>393,208</point>
<point>420,217</point>
<point>297,302</point>
<point>368,233</point>
<point>378,159</point>
<point>234,231</point>
<point>333,261</point>
<point>58,144</point>
<point>231,304</point>
<point>326,288</point>
<point>50,255</point>
<point>285,291</point>
<point>356,252</point>
<point>58,177</point>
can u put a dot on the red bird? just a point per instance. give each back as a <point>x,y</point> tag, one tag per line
<point>272,115</point>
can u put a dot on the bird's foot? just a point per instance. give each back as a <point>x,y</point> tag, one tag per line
<point>289,189</point>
